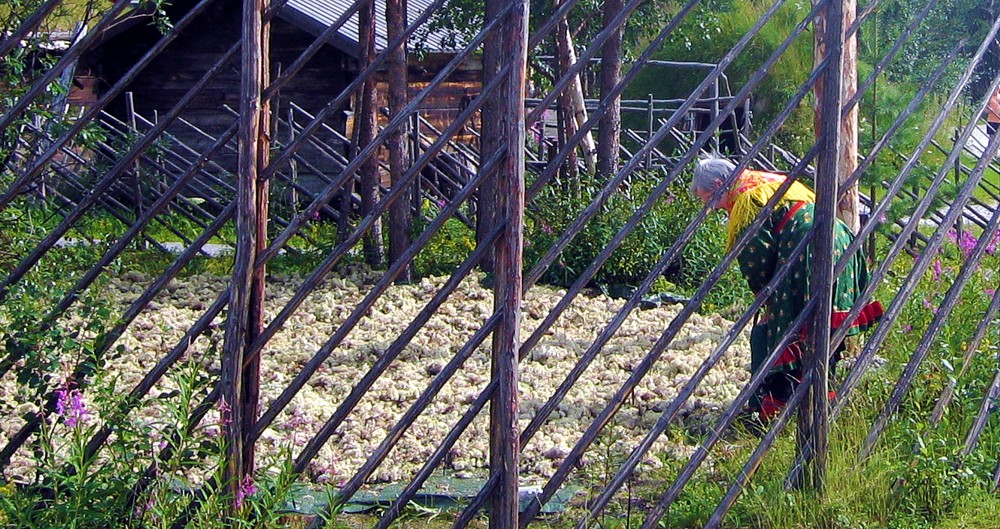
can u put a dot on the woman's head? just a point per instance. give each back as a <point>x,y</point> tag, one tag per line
<point>709,175</point>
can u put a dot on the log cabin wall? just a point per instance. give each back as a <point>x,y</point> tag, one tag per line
<point>161,85</point>
<point>442,105</point>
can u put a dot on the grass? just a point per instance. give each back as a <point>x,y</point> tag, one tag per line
<point>939,486</point>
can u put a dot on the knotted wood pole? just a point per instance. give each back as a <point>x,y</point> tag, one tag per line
<point>240,381</point>
<point>509,105</point>
<point>813,438</point>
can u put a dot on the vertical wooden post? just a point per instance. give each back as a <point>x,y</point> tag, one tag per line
<point>239,385</point>
<point>713,113</point>
<point>414,155</point>
<point>365,118</point>
<point>251,374</point>
<point>133,129</point>
<point>958,181</point>
<point>489,138</point>
<point>293,165</point>
<point>649,129</point>
<point>504,431</point>
<point>400,217</point>
<point>814,415</point>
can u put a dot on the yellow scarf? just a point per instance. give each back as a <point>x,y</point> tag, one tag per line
<point>751,192</point>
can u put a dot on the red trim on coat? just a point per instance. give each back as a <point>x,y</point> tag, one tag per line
<point>872,312</point>
<point>788,216</point>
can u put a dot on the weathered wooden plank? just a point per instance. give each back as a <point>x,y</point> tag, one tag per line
<point>509,103</point>
<point>239,382</point>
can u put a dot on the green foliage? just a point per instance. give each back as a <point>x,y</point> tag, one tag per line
<point>710,32</point>
<point>948,22</point>
<point>72,488</point>
<point>65,16</point>
<point>447,249</point>
<point>462,19</point>
<point>554,210</point>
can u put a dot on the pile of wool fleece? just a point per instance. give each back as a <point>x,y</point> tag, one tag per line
<point>352,354</point>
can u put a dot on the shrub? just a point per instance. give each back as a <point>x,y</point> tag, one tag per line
<point>447,249</point>
<point>554,210</point>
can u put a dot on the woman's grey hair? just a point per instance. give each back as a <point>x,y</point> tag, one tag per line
<point>710,174</point>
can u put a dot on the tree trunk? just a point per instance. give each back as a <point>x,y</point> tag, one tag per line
<point>848,206</point>
<point>567,123</point>
<point>608,139</point>
<point>400,218</point>
<point>575,106</point>
<point>365,119</point>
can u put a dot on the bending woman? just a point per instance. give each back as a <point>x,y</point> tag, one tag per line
<point>770,248</point>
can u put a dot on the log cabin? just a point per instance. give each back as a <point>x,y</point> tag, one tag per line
<point>186,60</point>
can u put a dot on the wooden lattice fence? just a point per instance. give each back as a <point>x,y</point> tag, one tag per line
<point>403,171</point>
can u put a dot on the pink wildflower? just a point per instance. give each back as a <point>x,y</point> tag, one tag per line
<point>930,306</point>
<point>991,247</point>
<point>142,508</point>
<point>967,243</point>
<point>937,270</point>
<point>69,404</point>
<point>247,489</point>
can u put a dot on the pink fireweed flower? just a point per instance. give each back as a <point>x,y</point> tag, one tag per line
<point>70,405</point>
<point>142,508</point>
<point>991,247</point>
<point>967,243</point>
<point>247,489</point>
<point>937,270</point>
<point>930,306</point>
<point>62,397</point>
